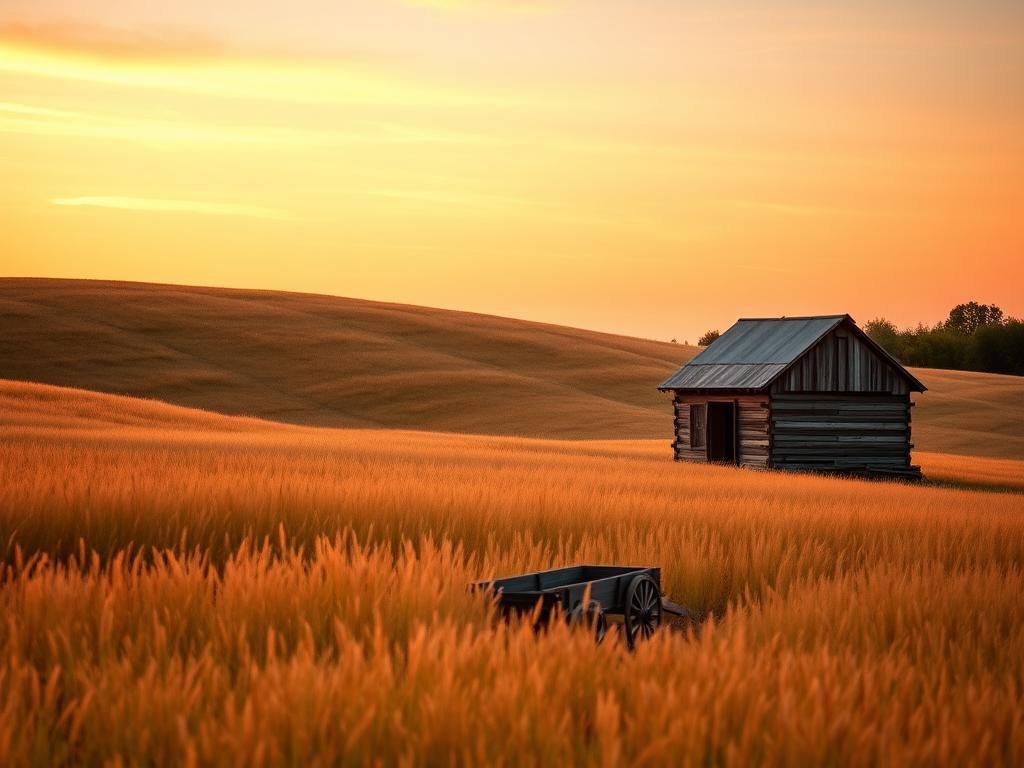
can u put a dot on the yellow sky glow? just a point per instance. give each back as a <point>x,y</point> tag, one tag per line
<point>646,168</point>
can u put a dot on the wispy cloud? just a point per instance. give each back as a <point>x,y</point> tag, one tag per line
<point>197,66</point>
<point>499,5</point>
<point>32,120</point>
<point>174,206</point>
<point>453,198</point>
<point>114,42</point>
<point>29,119</point>
<point>800,209</point>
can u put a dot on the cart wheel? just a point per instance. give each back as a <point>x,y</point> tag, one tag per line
<point>642,615</point>
<point>591,617</point>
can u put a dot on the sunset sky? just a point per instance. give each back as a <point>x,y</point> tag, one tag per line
<point>651,167</point>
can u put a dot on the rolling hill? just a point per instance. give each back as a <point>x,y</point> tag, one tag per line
<point>327,361</point>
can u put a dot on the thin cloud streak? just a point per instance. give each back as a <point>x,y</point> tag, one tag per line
<point>213,71</point>
<point>110,42</point>
<point>32,120</point>
<point>149,204</point>
<point>508,6</point>
<point>28,119</point>
<point>800,209</point>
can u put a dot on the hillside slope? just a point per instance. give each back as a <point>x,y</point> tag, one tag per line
<point>328,361</point>
<point>978,414</point>
<point>41,409</point>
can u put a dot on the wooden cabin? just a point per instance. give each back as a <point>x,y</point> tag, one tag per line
<point>800,393</point>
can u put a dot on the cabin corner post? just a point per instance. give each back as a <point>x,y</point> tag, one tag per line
<point>910,429</point>
<point>676,425</point>
<point>737,440</point>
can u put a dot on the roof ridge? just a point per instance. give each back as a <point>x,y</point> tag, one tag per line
<point>795,317</point>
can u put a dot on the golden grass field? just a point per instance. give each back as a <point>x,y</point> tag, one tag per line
<point>327,361</point>
<point>188,588</point>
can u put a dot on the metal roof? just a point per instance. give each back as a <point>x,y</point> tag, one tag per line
<point>753,352</point>
<point>755,342</point>
<point>723,376</point>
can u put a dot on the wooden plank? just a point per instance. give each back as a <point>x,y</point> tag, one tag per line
<point>811,434</point>
<point>825,440</point>
<point>833,426</point>
<point>752,422</point>
<point>781,454</point>
<point>867,397</point>
<point>852,408</point>
<point>839,424</point>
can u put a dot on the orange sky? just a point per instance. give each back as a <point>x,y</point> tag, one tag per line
<point>653,167</point>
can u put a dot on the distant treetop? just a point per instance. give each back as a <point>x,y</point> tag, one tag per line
<point>708,338</point>
<point>975,337</point>
<point>968,318</point>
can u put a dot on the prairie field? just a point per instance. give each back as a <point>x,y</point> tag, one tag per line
<point>182,587</point>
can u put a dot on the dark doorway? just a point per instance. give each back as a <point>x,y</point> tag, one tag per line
<point>722,432</point>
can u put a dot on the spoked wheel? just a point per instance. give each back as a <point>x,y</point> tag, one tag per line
<point>643,609</point>
<point>592,617</point>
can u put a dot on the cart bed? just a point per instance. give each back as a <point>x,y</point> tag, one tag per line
<point>565,587</point>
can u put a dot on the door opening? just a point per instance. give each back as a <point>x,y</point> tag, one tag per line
<point>721,430</point>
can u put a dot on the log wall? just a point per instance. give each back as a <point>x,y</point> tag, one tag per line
<point>754,432</point>
<point>681,449</point>
<point>752,419</point>
<point>835,432</point>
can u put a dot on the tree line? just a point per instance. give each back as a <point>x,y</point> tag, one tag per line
<point>975,337</point>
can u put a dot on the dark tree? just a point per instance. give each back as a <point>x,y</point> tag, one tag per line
<point>883,331</point>
<point>976,337</point>
<point>708,338</point>
<point>968,318</point>
<point>1001,347</point>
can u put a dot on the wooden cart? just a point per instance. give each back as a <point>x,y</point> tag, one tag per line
<point>587,594</point>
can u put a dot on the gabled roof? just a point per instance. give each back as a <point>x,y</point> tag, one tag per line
<point>756,351</point>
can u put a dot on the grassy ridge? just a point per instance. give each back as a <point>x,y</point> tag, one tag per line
<point>972,414</point>
<point>307,601</point>
<point>326,361</point>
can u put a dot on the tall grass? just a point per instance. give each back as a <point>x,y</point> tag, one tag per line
<point>195,595</point>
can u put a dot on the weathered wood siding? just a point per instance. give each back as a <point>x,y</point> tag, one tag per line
<point>840,432</point>
<point>842,362</point>
<point>752,421</point>
<point>681,445</point>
